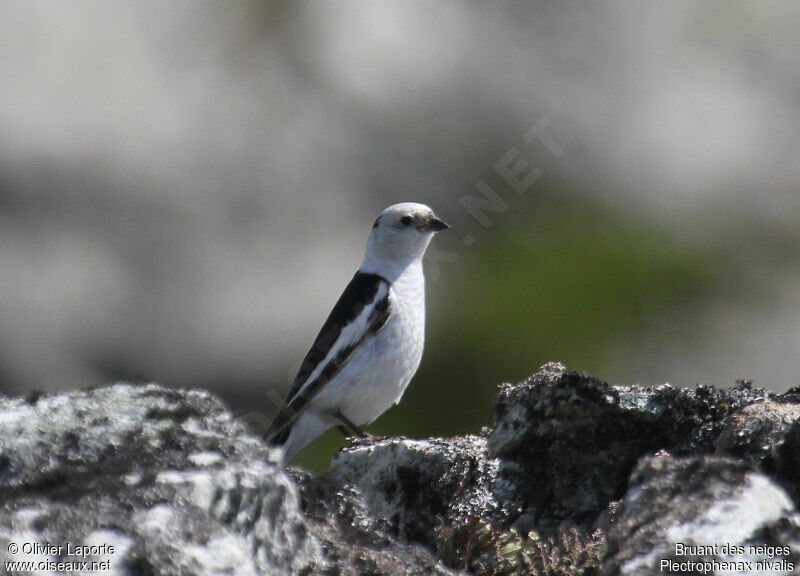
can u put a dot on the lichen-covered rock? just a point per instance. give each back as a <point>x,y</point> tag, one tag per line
<point>398,490</point>
<point>787,461</point>
<point>167,478</point>
<point>570,440</point>
<point>700,509</point>
<point>177,486</point>
<point>408,487</point>
<point>757,432</point>
<point>340,521</point>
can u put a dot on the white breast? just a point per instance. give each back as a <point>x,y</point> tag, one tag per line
<point>378,372</point>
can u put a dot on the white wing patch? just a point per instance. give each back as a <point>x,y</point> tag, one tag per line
<point>352,334</point>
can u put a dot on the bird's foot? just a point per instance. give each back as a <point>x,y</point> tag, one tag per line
<point>356,438</point>
<point>350,435</point>
<point>347,426</point>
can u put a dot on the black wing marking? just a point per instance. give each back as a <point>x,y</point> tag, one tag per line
<point>359,293</point>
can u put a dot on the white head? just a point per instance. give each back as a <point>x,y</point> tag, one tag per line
<point>399,237</point>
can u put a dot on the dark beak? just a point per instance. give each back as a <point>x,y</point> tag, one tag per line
<point>434,225</point>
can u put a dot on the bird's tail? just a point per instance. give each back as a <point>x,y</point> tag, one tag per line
<point>298,433</point>
<point>281,437</point>
<point>278,432</point>
<point>277,435</point>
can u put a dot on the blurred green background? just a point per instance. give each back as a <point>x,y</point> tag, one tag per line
<point>572,281</point>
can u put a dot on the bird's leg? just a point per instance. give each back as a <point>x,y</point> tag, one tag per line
<point>348,424</point>
<point>345,432</point>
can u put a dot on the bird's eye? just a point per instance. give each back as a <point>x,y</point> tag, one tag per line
<point>406,220</point>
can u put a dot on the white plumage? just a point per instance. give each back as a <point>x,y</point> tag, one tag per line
<point>371,345</point>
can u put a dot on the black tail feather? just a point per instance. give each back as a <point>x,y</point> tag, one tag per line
<point>281,437</point>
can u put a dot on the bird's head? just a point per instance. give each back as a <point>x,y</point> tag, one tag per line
<point>401,234</point>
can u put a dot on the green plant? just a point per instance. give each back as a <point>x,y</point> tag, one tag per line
<point>488,550</point>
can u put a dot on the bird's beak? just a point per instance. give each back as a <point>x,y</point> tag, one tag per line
<point>434,225</point>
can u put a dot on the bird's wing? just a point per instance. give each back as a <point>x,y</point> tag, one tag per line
<point>361,311</point>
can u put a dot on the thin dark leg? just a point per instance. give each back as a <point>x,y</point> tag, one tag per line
<point>345,432</point>
<point>348,424</point>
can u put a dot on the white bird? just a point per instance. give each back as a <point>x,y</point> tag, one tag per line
<point>371,344</point>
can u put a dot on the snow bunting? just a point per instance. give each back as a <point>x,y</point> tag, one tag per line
<point>371,344</point>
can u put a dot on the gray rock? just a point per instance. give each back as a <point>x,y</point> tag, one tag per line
<point>436,500</point>
<point>410,486</point>
<point>724,507</point>
<point>177,486</point>
<point>167,478</point>
<point>787,461</point>
<point>339,519</point>
<point>570,441</point>
<point>398,491</point>
<point>757,432</point>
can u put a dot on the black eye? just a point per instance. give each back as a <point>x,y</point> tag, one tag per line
<point>406,220</point>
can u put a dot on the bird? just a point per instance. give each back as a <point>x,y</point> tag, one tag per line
<point>371,344</point>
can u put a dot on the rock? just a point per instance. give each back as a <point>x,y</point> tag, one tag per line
<point>700,509</point>
<point>570,441</point>
<point>382,491</point>
<point>575,475</point>
<point>167,478</point>
<point>338,518</point>
<point>442,498</point>
<point>409,487</point>
<point>787,461</point>
<point>757,432</point>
